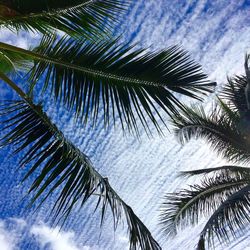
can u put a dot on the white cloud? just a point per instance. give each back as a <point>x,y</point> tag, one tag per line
<point>7,241</point>
<point>19,223</point>
<point>56,239</point>
<point>12,233</point>
<point>22,39</point>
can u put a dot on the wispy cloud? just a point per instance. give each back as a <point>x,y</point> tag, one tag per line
<point>20,39</point>
<point>6,239</point>
<point>10,233</point>
<point>12,230</point>
<point>56,239</point>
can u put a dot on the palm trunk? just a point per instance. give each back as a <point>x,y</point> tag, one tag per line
<point>6,9</point>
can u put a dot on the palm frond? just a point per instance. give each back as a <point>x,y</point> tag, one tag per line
<point>188,205</point>
<point>223,170</point>
<point>59,165</point>
<point>6,64</point>
<point>12,62</point>
<point>220,129</point>
<point>232,215</point>
<point>227,109</point>
<point>226,127</point>
<point>233,94</point>
<point>74,17</point>
<point>126,82</point>
<point>236,94</point>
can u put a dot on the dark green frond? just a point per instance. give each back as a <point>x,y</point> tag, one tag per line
<point>6,64</point>
<point>225,191</point>
<point>219,128</point>
<point>223,170</point>
<point>126,82</point>
<point>74,17</point>
<point>232,215</point>
<point>10,62</point>
<point>58,164</point>
<point>227,110</point>
<point>227,126</point>
<point>234,94</point>
<point>187,206</point>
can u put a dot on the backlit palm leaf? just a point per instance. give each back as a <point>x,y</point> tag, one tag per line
<point>223,170</point>
<point>234,94</point>
<point>226,127</point>
<point>58,164</point>
<point>225,194</point>
<point>232,215</point>
<point>125,82</point>
<point>187,206</point>
<point>12,62</point>
<point>75,17</point>
<point>219,128</point>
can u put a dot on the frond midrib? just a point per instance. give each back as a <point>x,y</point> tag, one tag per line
<point>27,99</point>
<point>231,168</point>
<point>212,131</point>
<point>207,191</point>
<point>85,70</point>
<point>203,232</point>
<point>83,159</point>
<point>49,13</point>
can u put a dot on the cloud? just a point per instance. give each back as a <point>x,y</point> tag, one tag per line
<point>16,230</point>
<point>22,39</point>
<point>7,241</point>
<point>56,239</point>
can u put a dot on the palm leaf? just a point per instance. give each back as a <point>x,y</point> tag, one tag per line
<point>187,206</point>
<point>6,63</point>
<point>234,94</point>
<point>223,170</point>
<point>123,81</point>
<point>74,17</point>
<point>226,127</point>
<point>58,164</point>
<point>221,129</point>
<point>232,215</point>
<point>12,62</point>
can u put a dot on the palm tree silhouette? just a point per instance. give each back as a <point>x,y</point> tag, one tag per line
<point>84,71</point>
<point>223,192</point>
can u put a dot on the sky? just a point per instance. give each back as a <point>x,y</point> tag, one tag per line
<point>217,35</point>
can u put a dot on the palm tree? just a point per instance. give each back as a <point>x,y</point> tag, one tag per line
<point>74,17</point>
<point>223,192</point>
<point>85,73</point>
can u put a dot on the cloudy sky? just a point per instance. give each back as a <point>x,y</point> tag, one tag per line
<point>217,35</point>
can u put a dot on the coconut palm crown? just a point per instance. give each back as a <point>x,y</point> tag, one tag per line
<point>88,18</point>
<point>223,192</point>
<point>91,75</point>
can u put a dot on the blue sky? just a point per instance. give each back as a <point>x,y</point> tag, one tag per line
<point>217,35</point>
